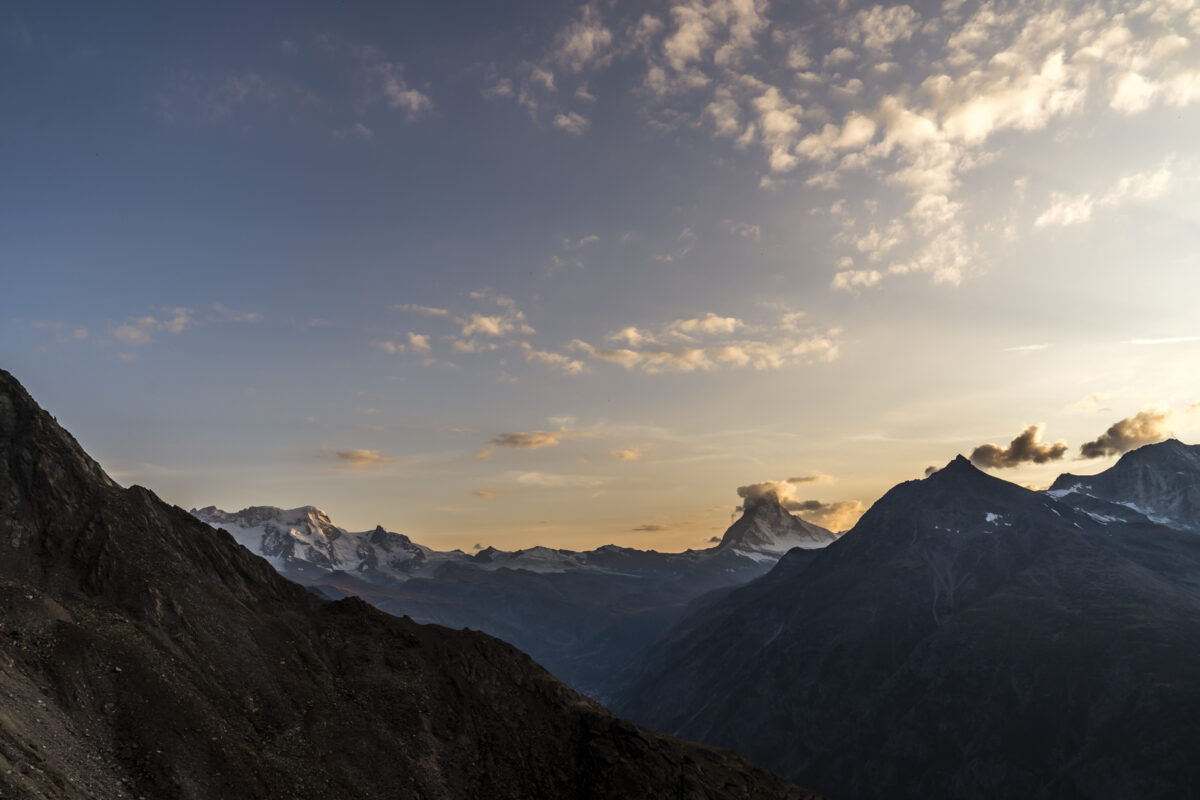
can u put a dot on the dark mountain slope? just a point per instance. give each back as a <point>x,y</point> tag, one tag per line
<point>968,638</point>
<point>143,654</point>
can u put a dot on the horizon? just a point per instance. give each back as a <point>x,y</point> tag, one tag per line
<point>593,275</point>
<point>737,512</point>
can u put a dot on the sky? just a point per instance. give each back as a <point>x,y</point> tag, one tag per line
<point>576,274</point>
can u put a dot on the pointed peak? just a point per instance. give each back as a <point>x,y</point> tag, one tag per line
<point>959,466</point>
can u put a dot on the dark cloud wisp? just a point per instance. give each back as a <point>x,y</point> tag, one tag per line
<point>1145,427</point>
<point>1027,448</point>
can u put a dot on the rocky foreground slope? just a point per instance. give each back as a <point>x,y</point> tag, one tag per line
<point>145,655</point>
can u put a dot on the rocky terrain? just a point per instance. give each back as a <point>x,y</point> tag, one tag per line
<point>968,638</point>
<point>145,655</point>
<point>1151,484</point>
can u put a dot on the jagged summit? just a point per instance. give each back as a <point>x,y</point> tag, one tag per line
<point>767,528</point>
<point>959,469</point>
<point>1157,483</point>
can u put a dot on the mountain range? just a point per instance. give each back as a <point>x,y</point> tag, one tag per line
<point>967,638</point>
<point>582,615</point>
<point>145,655</point>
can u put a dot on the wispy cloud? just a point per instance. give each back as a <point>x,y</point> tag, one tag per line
<point>910,100</point>
<point>1165,340</point>
<point>1067,209</point>
<point>714,342</point>
<point>549,480</point>
<point>532,440</point>
<point>362,459</point>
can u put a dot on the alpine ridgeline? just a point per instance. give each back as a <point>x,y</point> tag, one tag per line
<point>967,638</point>
<point>582,615</point>
<point>143,654</point>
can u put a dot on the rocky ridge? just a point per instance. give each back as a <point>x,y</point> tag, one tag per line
<point>145,655</point>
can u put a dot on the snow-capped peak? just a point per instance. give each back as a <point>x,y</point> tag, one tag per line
<point>767,530</point>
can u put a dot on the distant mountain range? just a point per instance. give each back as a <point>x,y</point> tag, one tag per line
<point>967,638</point>
<point>145,655</point>
<point>582,615</point>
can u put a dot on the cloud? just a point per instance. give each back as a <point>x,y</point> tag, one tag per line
<point>1092,403</point>
<point>227,314</point>
<point>877,27</point>
<point>652,527</point>
<point>760,355</point>
<point>881,93</point>
<point>363,459</point>
<point>562,363</point>
<point>396,91</point>
<point>472,346</point>
<point>356,131</point>
<point>139,330</point>
<point>710,323</point>
<point>572,122</point>
<point>1137,187</point>
<point>777,491</point>
<point>709,342</point>
<point>425,311</point>
<point>834,516</point>
<point>1026,348</point>
<point>1165,340</point>
<point>628,454</point>
<point>510,320</point>
<point>851,279</point>
<point>584,42</point>
<point>546,480</point>
<point>486,494</point>
<point>837,516</point>
<point>388,346</point>
<point>743,229</point>
<point>684,242</point>
<point>1145,427</point>
<point>529,441</point>
<point>131,334</point>
<point>488,325</point>
<point>817,478</point>
<point>1027,447</point>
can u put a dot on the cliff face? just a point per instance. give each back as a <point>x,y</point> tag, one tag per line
<point>143,654</point>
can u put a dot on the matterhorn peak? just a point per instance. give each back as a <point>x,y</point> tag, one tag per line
<point>766,528</point>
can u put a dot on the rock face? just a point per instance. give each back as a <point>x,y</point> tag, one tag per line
<point>968,638</point>
<point>1156,483</point>
<point>143,654</point>
<point>582,615</point>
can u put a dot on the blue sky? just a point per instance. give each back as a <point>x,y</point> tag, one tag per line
<point>572,275</point>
